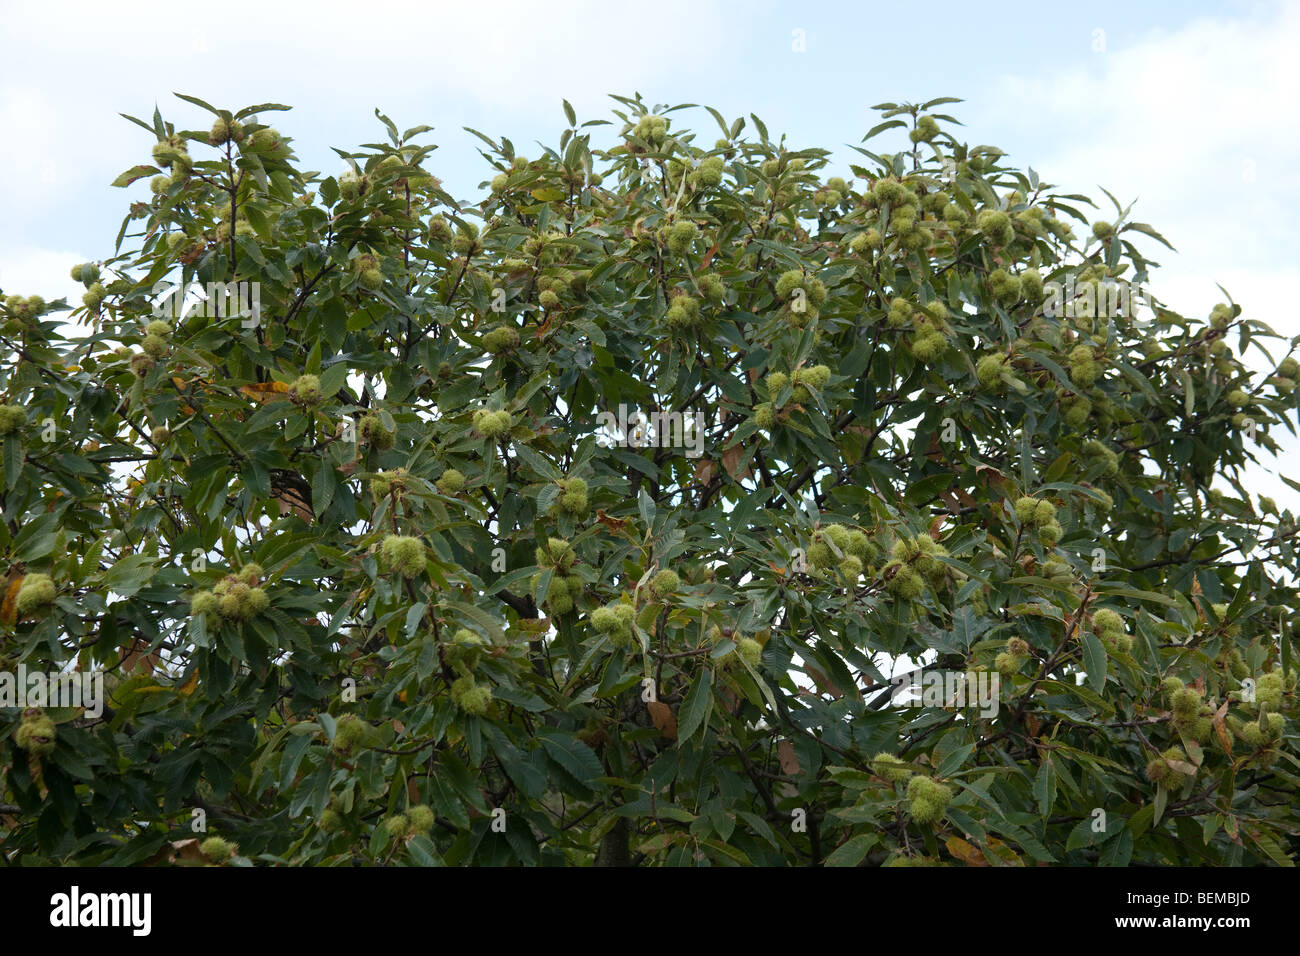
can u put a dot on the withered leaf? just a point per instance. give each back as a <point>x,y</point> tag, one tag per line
<point>788,758</point>
<point>665,720</point>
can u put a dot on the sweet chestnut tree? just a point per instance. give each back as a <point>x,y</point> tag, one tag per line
<point>320,477</point>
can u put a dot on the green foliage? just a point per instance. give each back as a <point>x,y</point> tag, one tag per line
<point>365,567</point>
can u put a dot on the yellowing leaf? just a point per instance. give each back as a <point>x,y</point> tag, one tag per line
<point>968,853</point>
<point>1003,852</point>
<point>264,391</point>
<point>8,612</point>
<point>661,841</point>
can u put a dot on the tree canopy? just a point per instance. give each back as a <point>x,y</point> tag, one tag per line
<point>587,521</point>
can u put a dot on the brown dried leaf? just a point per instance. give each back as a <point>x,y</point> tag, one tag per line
<point>708,257</point>
<point>994,477</point>
<point>179,852</point>
<point>788,758</point>
<point>731,461</point>
<point>290,500</point>
<point>138,658</point>
<point>704,470</point>
<point>617,525</point>
<point>824,683</point>
<point>664,719</point>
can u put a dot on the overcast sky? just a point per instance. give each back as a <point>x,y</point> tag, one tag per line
<point>1187,107</point>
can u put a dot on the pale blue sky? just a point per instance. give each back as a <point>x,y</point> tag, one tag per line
<point>70,68</point>
<point>1187,106</point>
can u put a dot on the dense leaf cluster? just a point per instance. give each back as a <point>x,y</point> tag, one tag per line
<point>373,578</point>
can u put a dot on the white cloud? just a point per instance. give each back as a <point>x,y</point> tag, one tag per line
<point>43,272</point>
<point>1198,126</point>
<point>512,53</point>
<point>32,171</point>
<point>422,62</point>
